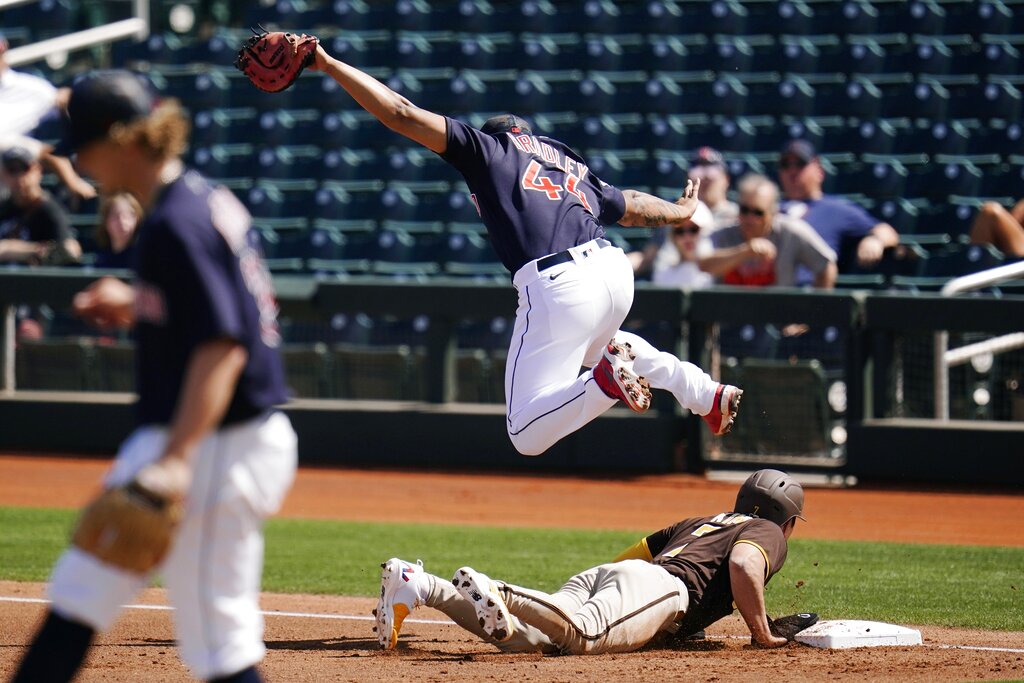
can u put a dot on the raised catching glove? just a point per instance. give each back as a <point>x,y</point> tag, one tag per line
<point>272,61</point>
<point>131,526</point>
<point>788,626</point>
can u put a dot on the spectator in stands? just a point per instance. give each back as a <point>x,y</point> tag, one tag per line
<point>709,166</point>
<point>841,223</point>
<point>661,252</point>
<point>1004,229</point>
<point>687,242</point>
<point>25,101</point>
<point>766,247</point>
<point>33,227</point>
<point>120,214</point>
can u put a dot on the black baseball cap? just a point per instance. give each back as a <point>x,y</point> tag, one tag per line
<point>17,159</point>
<point>98,101</point>
<point>707,156</point>
<point>506,123</point>
<point>801,149</point>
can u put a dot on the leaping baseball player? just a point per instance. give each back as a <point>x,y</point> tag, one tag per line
<point>543,209</point>
<point>211,458</point>
<point>668,586</point>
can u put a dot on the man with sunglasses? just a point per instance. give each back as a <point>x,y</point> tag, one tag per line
<point>766,247</point>
<point>34,228</point>
<point>855,235</point>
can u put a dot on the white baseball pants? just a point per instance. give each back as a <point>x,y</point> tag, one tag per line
<point>617,607</point>
<point>567,314</point>
<point>213,570</point>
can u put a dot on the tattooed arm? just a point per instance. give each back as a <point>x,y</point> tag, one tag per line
<point>647,211</point>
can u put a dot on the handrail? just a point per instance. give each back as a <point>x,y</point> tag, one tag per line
<point>941,362</point>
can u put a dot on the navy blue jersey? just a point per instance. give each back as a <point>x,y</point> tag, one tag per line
<point>199,277</point>
<point>535,195</point>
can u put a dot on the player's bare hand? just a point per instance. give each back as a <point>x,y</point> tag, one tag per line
<point>688,200</point>
<point>107,303</point>
<point>769,642</point>
<point>762,248</point>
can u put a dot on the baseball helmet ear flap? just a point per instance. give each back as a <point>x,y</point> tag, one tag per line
<point>772,495</point>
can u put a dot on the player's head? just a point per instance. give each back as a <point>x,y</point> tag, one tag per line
<point>115,115</point>
<point>771,495</point>
<point>20,171</point>
<point>506,123</point>
<point>800,172</point>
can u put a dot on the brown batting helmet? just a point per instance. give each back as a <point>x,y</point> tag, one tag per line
<point>772,495</point>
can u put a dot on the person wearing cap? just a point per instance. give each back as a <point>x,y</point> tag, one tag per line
<point>765,247</point>
<point>689,241</point>
<point>545,212</point>
<point>26,101</point>
<point>845,226</point>
<point>209,379</point>
<point>669,585</point>
<point>34,228</point>
<point>708,166</point>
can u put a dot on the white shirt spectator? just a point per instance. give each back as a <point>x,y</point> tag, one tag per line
<point>25,100</point>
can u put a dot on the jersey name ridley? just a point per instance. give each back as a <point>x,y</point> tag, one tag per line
<point>545,152</point>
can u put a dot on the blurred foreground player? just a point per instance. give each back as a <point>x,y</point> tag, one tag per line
<point>211,458</point>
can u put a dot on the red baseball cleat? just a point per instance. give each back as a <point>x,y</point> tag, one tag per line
<point>724,409</point>
<point>614,374</point>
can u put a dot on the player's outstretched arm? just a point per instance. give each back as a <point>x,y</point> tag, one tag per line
<point>392,109</point>
<point>647,211</point>
<point>747,569</point>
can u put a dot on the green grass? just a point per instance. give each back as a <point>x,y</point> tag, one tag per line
<point>965,586</point>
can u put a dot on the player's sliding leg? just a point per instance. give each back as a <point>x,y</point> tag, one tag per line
<point>692,387</point>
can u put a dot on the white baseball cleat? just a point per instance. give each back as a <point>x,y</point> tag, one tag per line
<point>490,606</point>
<point>400,584</point>
<point>614,374</point>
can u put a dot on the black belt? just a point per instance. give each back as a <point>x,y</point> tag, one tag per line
<point>564,256</point>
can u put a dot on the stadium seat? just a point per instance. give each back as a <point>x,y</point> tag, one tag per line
<point>611,52</point>
<point>748,341</point>
<point>363,48</point>
<point>669,52</point>
<point>420,50</point>
<point>225,161</point>
<point>563,125</point>
<point>926,98</point>
<point>923,137</point>
<point>554,17</point>
<point>484,16</point>
<point>997,98</point>
<point>859,97</point>
<point>223,126</point>
<point>289,162</point>
<point>962,259</point>
<point>612,91</point>
<point>354,129</point>
<point>620,167</point>
<point>461,208</point>
<point>940,54</point>
<point>952,217</point>
<point>732,53</point>
<point>361,15</point>
<point>281,198</point>
<point>475,383</point>
<point>345,163</point>
<point>489,90</point>
<point>289,127</point>
<point>680,92</point>
<point>415,201</point>
<point>1000,55</point>
<point>488,51</point>
<point>900,213</point>
<point>802,54</point>
<point>1004,180</point>
<point>794,17</point>
<point>539,91</point>
<point>945,176</point>
<point>877,176</point>
<point>468,252</point>
<point>547,51</point>
<point>347,199</point>
<point>676,131</point>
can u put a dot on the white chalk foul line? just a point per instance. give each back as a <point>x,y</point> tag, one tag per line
<point>273,613</point>
<point>355,617</point>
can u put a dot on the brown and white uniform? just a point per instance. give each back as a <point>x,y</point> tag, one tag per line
<point>678,575</point>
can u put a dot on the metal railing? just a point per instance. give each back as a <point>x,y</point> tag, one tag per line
<point>946,357</point>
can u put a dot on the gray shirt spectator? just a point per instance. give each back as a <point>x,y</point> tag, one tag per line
<point>767,248</point>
